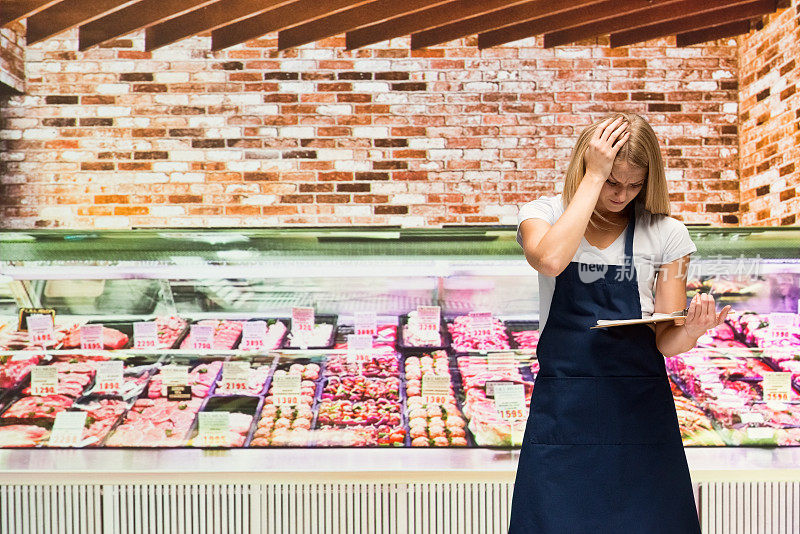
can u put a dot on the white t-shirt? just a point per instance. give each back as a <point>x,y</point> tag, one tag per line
<point>657,239</point>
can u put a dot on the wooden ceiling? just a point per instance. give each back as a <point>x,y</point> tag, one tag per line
<point>365,22</point>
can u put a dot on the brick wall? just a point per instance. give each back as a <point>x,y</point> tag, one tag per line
<point>118,137</point>
<point>769,117</point>
<point>12,59</point>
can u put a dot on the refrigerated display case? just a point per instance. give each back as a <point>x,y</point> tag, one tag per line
<point>362,417</point>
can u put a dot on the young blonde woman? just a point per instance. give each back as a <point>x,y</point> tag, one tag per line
<point>602,450</point>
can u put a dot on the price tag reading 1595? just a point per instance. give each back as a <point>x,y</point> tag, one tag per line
<point>509,401</point>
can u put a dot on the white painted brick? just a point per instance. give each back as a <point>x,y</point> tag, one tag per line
<point>113,111</point>
<point>223,221</point>
<point>406,221</point>
<point>310,51</point>
<point>268,132</point>
<point>75,155</point>
<point>407,199</point>
<point>370,87</point>
<point>260,200</point>
<point>80,66</point>
<point>371,131</point>
<point>223,133</point>
<point>244,166</point>
<point>55,212</point>
<point>351,210</point>
<point>224,155</point>
<point>10,134</point>
<point>208,76</point>
<point>480,87</point>
<point>172,166</point>
<point>370,65</point>
<point>112,88</point>
<point>500,209</point>
<point>296,87</point>
<point>298,65</point>
<point>51,66</point>
<point>185,155</point>
<point>167,211</point>
<point>263,109</point>
<point>110,221</point>
<point>207,121</point>
<point>352,165</point>
<point>171,53</point>
<point>387,188</point>
<point>297,132</point>
<point>730,107</point>
<point>172,99</point>
<point>335,109</point>
<point>40,133</point>
<point>247,99</point>
<point>187,177</point>
<point>430,166</point>
<point>326,154</point>
<point>447,153</point>
<point>699,85</point>
<point>483,175</point>
<point>150,178</point>
<point>510,220</point>
<point>171,77</point>
<point>133,122</point>
<point>722,74</point>
<point>233,189</point>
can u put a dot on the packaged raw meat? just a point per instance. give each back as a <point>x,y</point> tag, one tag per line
<point>322,337</point>
<point>241,418</point>
<point>14,368</point>
<point>203,374</point>
<point>226,334</point>
<point>22,435</point>
<point>112,338</point>
<point>465,339</point>
<point>156,423</point>
<point>414,335</point>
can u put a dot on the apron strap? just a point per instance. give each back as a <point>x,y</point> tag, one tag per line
<point>629,237</point>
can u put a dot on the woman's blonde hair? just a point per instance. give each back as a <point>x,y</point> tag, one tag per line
<point>640,150</point>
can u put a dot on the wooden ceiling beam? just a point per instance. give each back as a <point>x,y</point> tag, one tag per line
<point>278,19</point>
<point>497,19</point>
<point>656,14</point>
<point>423,20</point>
<point>14,10</point>
<point>145,13</point>
<point>693,22</point>
<point>713,33</point>
<point>351,19</point>
<point>68,14</point>
<point>201,20</point>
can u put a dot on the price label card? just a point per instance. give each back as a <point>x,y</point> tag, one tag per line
<point>435,388</point>
<point>480,323</point>
<point>40,330</point>
<point>44,380</point>
<point>145,335</point>
<point>201,337</point>
<point>359,347</point>
<point>509,401</point>
<point>777,386</point>
<point>67,429</point>
<point>429,317</point>
<point>501,361</point>
<point>92,337</point>
<point>213,428</point>
<point>783,320</point>
<point>517,434</point>
<point>751,417</point>
<point>24,313</point>
<point>490,385</point>
<point>760,432</point>
<point>175,375</point>
<point>254,335</point>
<point>302,320</point>
<point>235,376</point>
<point>108,378</point>
<point>286,390</point>
<point>365,323</point>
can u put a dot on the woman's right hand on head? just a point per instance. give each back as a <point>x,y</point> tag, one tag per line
<point>606,141</point>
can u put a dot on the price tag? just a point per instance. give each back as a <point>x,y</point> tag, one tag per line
<point>254,335</point>
<point>234,376</point>
<point>302,320</point>
<point>92,337</point>
<point>213,428</point>
<point>145,335</point>
<point>751,417</point>
<point>40,330</point>
<point>501,361</point>
<point>67,429</point>
<point>517,434</point>
<point>365,323</point>
<point>429,317</point>
<point>490,385</point>
<point>108,378</point>
<point>760,432</point>
<point>359,347</point>
<point>201,337</point>
<point>24,313</point>
<point>480,323</point>
<point>776,386</point>
<point>44,380</point>
<point>435,389</point>
<point>781,325</point>
<point>176,379</point>
<point>509,401</point>
<point>286,390</point>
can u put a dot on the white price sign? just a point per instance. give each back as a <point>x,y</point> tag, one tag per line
<point>234,376</point>
<point>777,386</point>
<point>213,428</point>
<point>501,361</point>
<point>365,323</point>
<point>67,429</point>
<point>302,320</point>
<point>201,337</point>
<point>254,335</point>
<point>751,417</point>
<point>435,388</point>
<point>480,323</point>
<point>359,347</point>
<point>40,329</point>
<point>175,375</point>
<point>44,380</point>
<point>286,390</point>
<point>429,317</point>
<point>509,401</point>
<point>781,325</point>
<point>108,378</point>
<point>760,432</point>
<point>92,337</point>
<point>145,335</point>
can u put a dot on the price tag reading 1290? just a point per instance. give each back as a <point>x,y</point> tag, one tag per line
<point>108,378</point>
<point>509,401</point>
<point>44,380</point>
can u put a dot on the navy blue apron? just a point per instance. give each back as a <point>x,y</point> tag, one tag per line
<point>602,450</point>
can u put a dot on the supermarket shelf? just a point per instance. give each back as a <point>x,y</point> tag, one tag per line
<point>47,466</point>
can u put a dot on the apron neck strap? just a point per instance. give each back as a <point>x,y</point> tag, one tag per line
<point>629,234</point>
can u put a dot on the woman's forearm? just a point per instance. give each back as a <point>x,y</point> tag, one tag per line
<point>674,340</point>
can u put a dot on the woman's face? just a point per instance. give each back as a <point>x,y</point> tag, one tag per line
<point>621,186</point>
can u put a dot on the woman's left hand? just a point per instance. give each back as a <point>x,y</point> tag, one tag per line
<point>702,315</point>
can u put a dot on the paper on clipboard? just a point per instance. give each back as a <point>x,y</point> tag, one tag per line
<point>656,318</point>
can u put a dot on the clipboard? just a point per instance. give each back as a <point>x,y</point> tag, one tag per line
<point>656,318</point>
